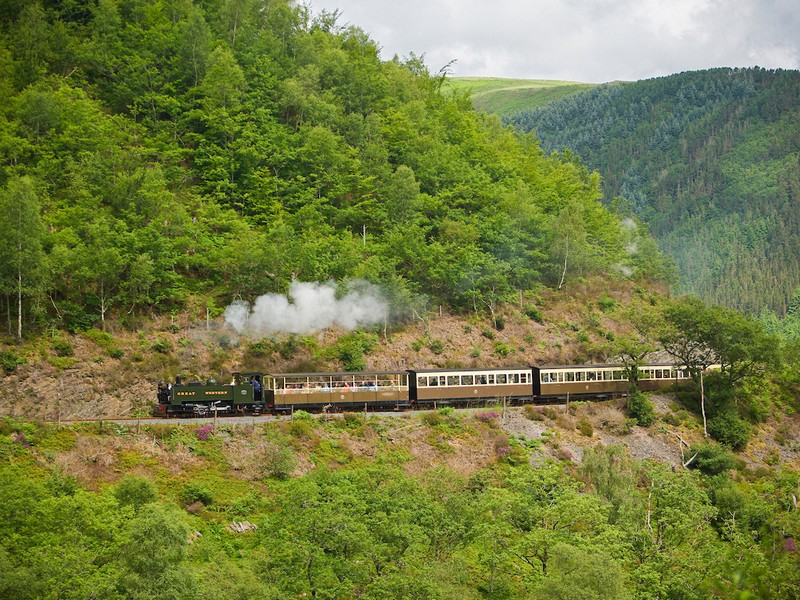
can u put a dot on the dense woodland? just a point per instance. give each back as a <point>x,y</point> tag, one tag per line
<point>165,154</point>
<point>368,521</point>
<point>710,161</point>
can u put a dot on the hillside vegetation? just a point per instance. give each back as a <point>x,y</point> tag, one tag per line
<point>161,156</point>
<point>709,160</point>
<point>503,97</point>
<point>486,504</point>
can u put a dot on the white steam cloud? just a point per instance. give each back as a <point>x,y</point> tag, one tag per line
<point>631,232</point>
<point>309,307</point>
<point>630,229</point>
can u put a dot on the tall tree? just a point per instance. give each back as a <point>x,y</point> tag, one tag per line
<point>699,336</point>
<point>20,241</point>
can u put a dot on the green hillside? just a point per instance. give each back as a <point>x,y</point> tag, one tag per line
<point>507,96</point>
<point>710,161</point>
<point>159,156</point>
<point>471,505</point>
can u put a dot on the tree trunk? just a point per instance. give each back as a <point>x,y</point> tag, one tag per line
<point>19,304</point>
<point>703,405</point>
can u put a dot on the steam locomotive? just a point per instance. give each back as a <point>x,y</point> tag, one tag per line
<point>257,393</point>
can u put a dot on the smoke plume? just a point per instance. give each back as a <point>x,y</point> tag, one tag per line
<point>309,307</point>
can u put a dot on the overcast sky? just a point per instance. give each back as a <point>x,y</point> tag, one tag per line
<point>592,41</point>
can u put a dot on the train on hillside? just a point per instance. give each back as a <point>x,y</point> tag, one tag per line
<point>257,393</point>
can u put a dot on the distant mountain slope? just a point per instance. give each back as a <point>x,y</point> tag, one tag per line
<point>711,161</point>
<point>508,96</point>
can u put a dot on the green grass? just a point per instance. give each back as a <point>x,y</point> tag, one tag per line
<point>508,96</point>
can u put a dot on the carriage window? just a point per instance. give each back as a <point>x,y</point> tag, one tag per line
<point>618,375</point>
<point>523,378</point>
<point>452,380</point>
<point>591,376</point>
<point>422,381</point>
<point>570,376</point>
<point>560,377</point>
<point>659,374</point>
<point>467,380</point>
<point>481,380</point>
<point>491,379</point>
<point>513,378</point>
<point>580,376</point>
<point>501,378</point>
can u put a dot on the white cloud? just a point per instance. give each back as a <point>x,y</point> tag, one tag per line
<point>581,40</point>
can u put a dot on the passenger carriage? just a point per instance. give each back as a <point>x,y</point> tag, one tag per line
<point>443,386</point>
<point>383,389</point>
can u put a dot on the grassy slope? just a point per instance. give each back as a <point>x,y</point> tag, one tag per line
<point>231,463</point>
<point>507,96</point>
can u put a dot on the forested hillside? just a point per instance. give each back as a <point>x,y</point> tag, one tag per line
<point>710,161</point>
<point>168,155</point>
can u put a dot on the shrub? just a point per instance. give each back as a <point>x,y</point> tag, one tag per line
<point>135,491</point>
<point>204,432</point>
<point>712,459</point>
<point>606,304</point>
<point>641,409</point>
<point>502,350</point>
<point>487,417</point>
<point>499,323</point>
<point>10,361</point>
<point>162,346</point>
<point>75,317</point>
<point>436,346</point>
<point>728,428</point>
<point>432,419</point>
<point>62,347</point>
<point>105,341</point>
<point>301,415</point>
<point>301,428</point>
<point>351,348</point>
<point>488,334</point>
<point>671,419</point>
<point>534,314</point>
<point>353,419</point>
<point>260,349</point>
<point>195,492</point>
<point>534,413</point>
<point>277,461</point>
<point>502,446</point>
<point>288,347</point>
<point>550,412</point>
<point>585,427</point>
